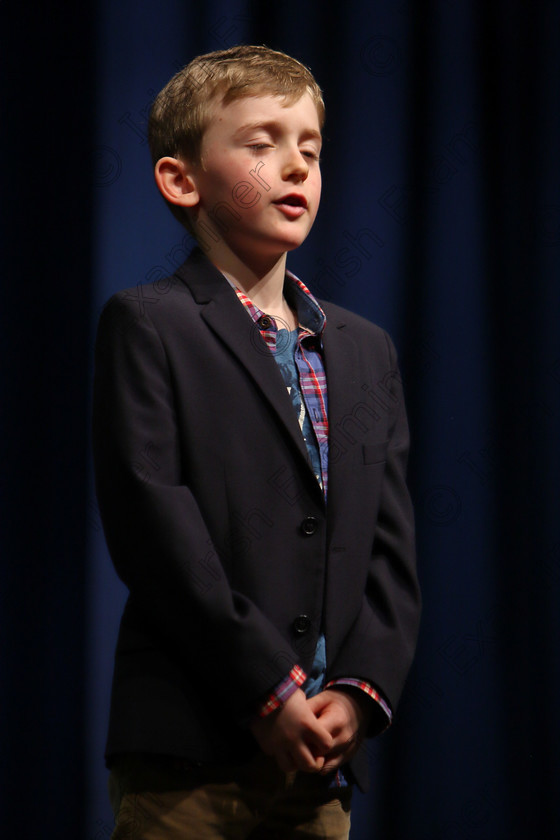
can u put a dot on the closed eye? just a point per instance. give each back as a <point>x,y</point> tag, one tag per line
<point>312,155</point>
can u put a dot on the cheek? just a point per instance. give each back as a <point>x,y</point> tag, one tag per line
<point>317,191</point>
<point>236,186</point>
<point>223,168</point>
<point>314,182</point>
<point>248,196</point>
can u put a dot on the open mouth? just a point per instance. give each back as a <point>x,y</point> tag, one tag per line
<point>292,200</point>
<point>292,206</point>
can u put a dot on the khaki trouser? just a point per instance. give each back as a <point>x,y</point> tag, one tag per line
<point>157,800</point>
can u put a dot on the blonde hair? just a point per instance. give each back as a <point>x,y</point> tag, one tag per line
<point>182,110</point>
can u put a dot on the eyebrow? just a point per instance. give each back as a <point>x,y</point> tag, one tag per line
<point>274,125</point>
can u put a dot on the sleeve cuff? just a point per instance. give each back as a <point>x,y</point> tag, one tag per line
<point>283,691</point>
<point>371,692</point>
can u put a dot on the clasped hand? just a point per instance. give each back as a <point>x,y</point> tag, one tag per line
<point>315,735</point>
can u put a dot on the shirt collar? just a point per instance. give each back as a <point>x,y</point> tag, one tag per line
<point>310,315</point>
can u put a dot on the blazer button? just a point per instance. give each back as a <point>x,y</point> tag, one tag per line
<point>302,624</point>
<point>309,525</point>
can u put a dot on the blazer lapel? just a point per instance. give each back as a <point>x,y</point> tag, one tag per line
<point>233,326</point>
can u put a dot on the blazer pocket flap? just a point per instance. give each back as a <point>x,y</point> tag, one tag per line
<point>375,453</point>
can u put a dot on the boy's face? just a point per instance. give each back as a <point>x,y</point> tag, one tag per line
<point>260,160</point>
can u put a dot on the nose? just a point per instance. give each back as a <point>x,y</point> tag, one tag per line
<point>295,166</point>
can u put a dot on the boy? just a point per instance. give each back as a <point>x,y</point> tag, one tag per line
<point>267,631</point>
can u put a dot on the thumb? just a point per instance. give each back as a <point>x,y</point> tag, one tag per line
<point>317,734</point>
<point>317,703</point>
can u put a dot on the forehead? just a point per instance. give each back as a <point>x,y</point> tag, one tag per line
<point>254,111</point>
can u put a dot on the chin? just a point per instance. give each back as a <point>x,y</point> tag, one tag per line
<point>293,245</point>
<point>288,243</point>
<point>273,243</point>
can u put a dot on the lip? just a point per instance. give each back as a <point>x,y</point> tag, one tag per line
<point>293,205</point>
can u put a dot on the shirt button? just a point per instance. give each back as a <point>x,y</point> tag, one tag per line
<point>309,526</point>
<point>301,624</point>
<point>265,322</point>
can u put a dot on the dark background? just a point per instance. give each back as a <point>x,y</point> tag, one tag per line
<point>440,220</point>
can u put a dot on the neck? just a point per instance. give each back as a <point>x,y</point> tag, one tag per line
<point>262,280</point>
<point>265,289</point>
<point>266,292</point>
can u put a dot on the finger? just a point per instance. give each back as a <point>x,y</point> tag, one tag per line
<point>318,702</point>
<point>305,760</point>
<point>328,713</point>
<point>342,744</point>
<point>318,735</point>
<point>320,759</point>
<point>339,756</point>
<point>333,762</point>
<point>330,767</point>
<point>331,719</point>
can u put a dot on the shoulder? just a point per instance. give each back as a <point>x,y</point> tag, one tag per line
<point>165,300</point>
<point>341,315</point>
<point>357,327</point>
<point>146,299</point>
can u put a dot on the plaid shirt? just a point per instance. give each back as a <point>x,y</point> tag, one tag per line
<point>308,359</point>
<point>313,385</point>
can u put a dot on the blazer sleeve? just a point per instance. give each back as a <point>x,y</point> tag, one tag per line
<point>156,535</point>
<point>380,645</point>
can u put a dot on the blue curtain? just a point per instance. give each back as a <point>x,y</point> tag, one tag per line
<point>440,220</point>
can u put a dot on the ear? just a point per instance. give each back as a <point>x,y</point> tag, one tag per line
<point>175,182</point>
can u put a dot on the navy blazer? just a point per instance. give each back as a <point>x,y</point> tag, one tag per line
<point>218,527</point>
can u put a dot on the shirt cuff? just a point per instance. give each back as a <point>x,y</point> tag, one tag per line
<point>370,691</point>
<point>283,691</point>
